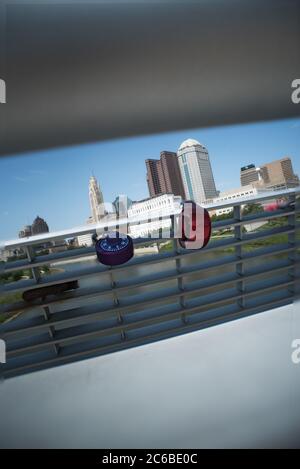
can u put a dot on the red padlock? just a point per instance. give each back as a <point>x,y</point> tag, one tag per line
<point>195,226</point>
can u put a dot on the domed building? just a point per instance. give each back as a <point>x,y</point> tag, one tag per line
<point>39,226</point>
<point>196,171</point>
<point>190,142</point>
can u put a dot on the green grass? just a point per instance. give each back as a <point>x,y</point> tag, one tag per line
<point>10,298</point>
<point>272,240</point>
<point>167,247</point>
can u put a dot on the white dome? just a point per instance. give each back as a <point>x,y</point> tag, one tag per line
<point>190,142</point>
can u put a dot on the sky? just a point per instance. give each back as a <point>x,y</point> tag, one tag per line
<point>54,183</point>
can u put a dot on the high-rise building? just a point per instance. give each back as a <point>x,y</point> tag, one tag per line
<point>96,200</point>
<point>196,172</point>
<point>277,174</point>
<point>39,226</point>
<point>163,175</point>
<point>249,174</point>
<point>154,177</point>
<point>171,173</point>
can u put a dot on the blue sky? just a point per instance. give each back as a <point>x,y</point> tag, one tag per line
<point>54,183</point>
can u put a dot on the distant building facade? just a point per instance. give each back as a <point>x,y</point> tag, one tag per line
<point>25,232</point>
<point>163,175</point>
<point>7,253</point>
<point>196,172</point>
<point>279,174</point>
<point>234,194</point>
<point>276,175</point>
<point>86,239</point>
<point>38,226</point>
<point>154,177</point>
<point>249,174</point>
<point>171,174</point>
<point>154,207</point>
<point>58,246</point>
<point>121,205</point>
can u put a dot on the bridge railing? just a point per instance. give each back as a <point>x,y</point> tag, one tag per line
<point>251,265</point>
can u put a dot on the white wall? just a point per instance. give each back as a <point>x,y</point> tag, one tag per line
<point>233,385</point>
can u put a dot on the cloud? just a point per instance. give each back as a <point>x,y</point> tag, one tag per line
<point>20,179</point>
<point>29,174</point>
<point>39,172</point>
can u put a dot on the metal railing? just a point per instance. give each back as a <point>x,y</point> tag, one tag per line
<point>153,296</point>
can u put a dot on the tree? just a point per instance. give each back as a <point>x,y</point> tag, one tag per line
<point>252,208</point>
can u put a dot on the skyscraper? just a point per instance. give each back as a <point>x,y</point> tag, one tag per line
<point>96,200</point>
<point>196,172</point>
<point>163,175</point>
<point>249,174</point>
<point>171,172</point>
<point>154,177</point>
<point>277,174</point>
<point>39,226</point>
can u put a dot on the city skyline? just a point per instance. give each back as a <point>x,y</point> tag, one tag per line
<point>54,182</point>
<point>276,174</point>
<point>39,225</point>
